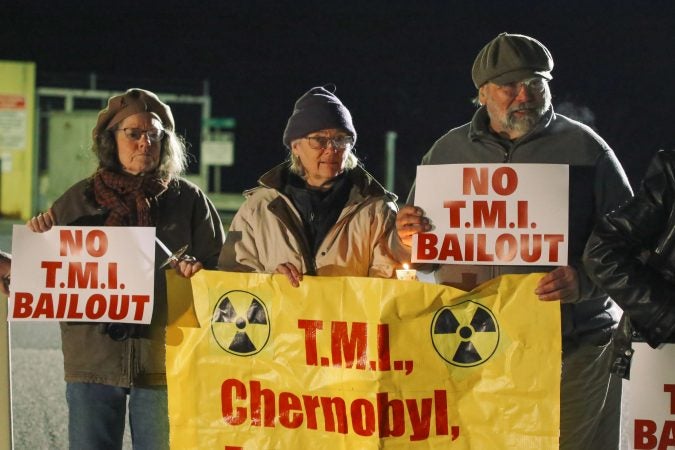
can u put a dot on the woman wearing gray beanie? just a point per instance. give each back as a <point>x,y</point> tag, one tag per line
<point>319,212</point>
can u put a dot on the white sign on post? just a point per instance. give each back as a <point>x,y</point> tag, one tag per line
<point>83,274</point>
<point>493,214</point>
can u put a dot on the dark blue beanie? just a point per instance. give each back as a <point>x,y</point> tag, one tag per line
<point>316,110</point>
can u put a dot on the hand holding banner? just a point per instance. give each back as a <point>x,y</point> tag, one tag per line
<point>346,362</point>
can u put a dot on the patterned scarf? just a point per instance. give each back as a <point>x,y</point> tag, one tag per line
<point>129,198</point>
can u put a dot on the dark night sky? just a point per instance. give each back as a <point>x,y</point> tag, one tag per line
<point>401,66</point>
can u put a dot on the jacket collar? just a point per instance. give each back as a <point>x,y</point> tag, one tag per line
<point>366,185</point>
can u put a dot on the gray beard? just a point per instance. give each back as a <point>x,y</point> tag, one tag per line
<point>525,124</point>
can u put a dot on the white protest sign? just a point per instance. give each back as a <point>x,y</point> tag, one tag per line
<point>648,413</point>
<point>83,274</point>
<point>493,214</point>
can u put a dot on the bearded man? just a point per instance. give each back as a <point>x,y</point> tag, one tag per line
<point>515,123</point>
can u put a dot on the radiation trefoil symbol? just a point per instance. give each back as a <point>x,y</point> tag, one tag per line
<point>466,334</point>
<point>240,323</point>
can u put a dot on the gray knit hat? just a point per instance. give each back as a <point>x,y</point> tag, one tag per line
<point>132,102</point>
<point>316,110</point>
<point>511,57</point>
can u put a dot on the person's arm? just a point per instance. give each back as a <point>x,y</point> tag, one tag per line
<point>5,269</point>
<point>239,252</point>
<point>207,238</point>
<point>611,190</point>
<point>613,254</point>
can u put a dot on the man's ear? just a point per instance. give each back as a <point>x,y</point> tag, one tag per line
<point>482,94</point>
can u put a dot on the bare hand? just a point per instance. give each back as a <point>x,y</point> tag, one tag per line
<point>291,272</point>
<point>187,266</point>
<point>561,284</point>
<point>42,222</point>
<point>410,220</point>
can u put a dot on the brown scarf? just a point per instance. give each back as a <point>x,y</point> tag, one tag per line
<point>129,198</point>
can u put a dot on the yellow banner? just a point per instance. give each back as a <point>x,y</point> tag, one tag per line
<point>361,363</point>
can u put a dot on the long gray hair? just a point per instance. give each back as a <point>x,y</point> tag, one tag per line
<point>172,156</point>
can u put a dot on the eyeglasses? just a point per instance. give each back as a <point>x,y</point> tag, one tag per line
<point>534,85</point>
<point>338,142</point>
<point>154,134</point>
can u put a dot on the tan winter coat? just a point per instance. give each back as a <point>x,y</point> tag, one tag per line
<point>267,231</point>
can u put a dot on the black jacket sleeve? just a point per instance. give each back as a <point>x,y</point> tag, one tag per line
<point>631,253</point>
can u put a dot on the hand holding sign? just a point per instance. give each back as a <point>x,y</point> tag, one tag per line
<point>410,220</point>
<point>492,214</point>
<point>96,274</point>
<point>42,222</point>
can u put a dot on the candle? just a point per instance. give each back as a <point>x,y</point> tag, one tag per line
<point>406,273</point>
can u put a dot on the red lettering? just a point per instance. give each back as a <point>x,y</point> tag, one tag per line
<point>340,414</point>
<point>267,397</point>
<point>44,306</point>
<point>426,246</point>
<point>363,417</point>
<point>311,404</point>
<point>139,301</point>
<point>482,254</point>
<point>530,253</point>
<point>441,408</point>
<point>83,278</point>
<point>353,346</point>
<point>553,241</point>
<point>61,308</point>
<point>50,266</point>
<point>468,248</point>
<point>488,214</point>
<point>506,247</point>
<point>504,180</point>
<point>450,248</point>
<point>119,306</point>
<point>97,243</point>
<point>383,358</point>
<point>667,435</point>
<point>71,242</point>
<point>288,403</point>
<point>112,275</point>
<point>644,434</point>
<point>230,390</point>
<point>390,424</point>
<point>95,307</point>
<point>310,327</point>
<point>523,220</point>
<point>72,307</point>
<point>419,420</point>
<point>670,388</point>
<point>22,305</point>
<point>470,178</point>
<point>454,207</point>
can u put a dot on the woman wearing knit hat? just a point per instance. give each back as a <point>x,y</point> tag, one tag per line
<point>319,212</point>
<point>137,183</point>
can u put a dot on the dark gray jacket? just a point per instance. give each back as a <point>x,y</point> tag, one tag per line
<point>597,185</point>
<point>186,216</point>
